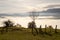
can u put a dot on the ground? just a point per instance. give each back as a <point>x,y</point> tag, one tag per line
<point>27,35</point>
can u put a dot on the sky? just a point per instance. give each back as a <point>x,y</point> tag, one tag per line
<point>22,6</point>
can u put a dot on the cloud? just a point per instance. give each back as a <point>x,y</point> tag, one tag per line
<point>50,1</point>
<point>53,6</point>
<point>53,10</point>
<point>18,6</point>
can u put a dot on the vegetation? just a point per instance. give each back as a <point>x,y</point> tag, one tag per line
<point>7,24</point>
<point>30,33</point>
<point>33,14</point>
<point>25,34</point>
<point>32,25</point>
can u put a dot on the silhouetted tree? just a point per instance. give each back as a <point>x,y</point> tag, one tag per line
<point>29,25</point>
<point>7,24</point>
<point>33,26</point>
<point>33,15</point>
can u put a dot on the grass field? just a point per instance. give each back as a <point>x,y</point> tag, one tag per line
<point>27,35</point>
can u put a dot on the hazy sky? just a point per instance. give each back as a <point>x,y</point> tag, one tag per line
<point>21,6</point>
<point>11,7</point>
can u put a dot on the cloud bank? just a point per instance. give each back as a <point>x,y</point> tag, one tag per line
<point>21,6</point>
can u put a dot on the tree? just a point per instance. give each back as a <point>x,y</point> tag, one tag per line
<point>33,14</point>
<point>29,25</point>
<point>33,26</point>
<point>7,24</point>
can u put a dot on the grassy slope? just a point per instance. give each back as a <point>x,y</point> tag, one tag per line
<point>25,35</point>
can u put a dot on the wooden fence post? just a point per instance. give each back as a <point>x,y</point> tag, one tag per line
<point>40,29</point>
<point>45,28</point>
<point>56,29</point>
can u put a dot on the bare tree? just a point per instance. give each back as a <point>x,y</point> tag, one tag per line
<point>34,14</point>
